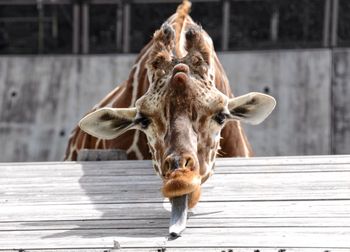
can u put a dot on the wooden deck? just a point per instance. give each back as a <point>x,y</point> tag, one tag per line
<point>260,204</point>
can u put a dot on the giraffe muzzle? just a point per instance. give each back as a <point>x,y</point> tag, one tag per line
<point>182,176</point>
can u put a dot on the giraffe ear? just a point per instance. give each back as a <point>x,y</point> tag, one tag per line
<point>252,108</point>
<point>108,123</point>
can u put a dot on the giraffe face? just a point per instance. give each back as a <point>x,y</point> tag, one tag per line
<point>185,114</point>
<point>182,113</point>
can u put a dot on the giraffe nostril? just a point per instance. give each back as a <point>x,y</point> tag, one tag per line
<point>173,163</point>
<point>189,162</point>
<point>166,166</point>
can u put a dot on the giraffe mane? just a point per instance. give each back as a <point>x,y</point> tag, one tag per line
<point>183,9</point>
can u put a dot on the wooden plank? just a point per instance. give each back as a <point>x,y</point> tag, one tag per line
<point>61,175</point>
<point>244,209</point>
<point>260,161</point>
<point>68,171</point>
<point>145,175</point>
<point>191,249</point>
<point>220,187</point>
<point>223,165</point>
<point>197,237</point>
<point>67,174</point>
<point>198,222</point>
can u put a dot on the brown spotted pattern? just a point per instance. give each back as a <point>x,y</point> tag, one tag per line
<point>178,83</point>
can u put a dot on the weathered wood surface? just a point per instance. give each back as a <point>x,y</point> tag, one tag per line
<point>260,204</point>
<point>42,98</point>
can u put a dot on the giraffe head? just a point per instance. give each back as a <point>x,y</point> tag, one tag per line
<point>182,113</point>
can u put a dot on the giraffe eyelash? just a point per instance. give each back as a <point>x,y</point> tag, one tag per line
<point>220,118</point>
<point>143,121</point>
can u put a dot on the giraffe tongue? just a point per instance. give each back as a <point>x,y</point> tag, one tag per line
<point>178,217</point>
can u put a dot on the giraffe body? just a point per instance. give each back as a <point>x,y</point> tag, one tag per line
<point>176,108</point>
<point>233,143</point>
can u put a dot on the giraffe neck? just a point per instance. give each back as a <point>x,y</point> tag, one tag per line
<point>125,95</point>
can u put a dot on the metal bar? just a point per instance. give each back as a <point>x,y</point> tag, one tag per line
<point>119,27</point>
<point>76,28</point>
<point>225,25</point>
<point>33,2</point>
<point>54,27</point>
<point>126,30</point>
<point>24,19</point>
<point>40,27</point>
<point>335,13</point>
<point>154,1</point>
<point>54,24</point>
<point>85,28</point>
<point>274,23</point>
<point>50,2</point>
<point>326,22</point>
<point>306,14</point>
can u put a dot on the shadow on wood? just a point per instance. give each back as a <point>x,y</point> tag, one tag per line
<point>122,201</point>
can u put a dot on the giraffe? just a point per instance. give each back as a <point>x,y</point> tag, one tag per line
<point>175,108</point>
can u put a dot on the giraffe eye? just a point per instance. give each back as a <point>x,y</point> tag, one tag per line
<point>220,118</point>
<point>143,122</point>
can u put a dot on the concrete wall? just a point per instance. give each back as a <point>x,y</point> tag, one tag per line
<point>42,98</point>
<point>301,83</point>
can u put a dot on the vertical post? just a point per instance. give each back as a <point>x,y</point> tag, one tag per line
<point>85,29</point>
<point>335,61</point>
<point>306,14</point>
<point>126,30</point>
<point>119,27</point>
<point>225,25</point>
<point>274,23</point>
<point>54,26</point>
<point>326,22</point>
<point>76,28</point>
<point>40,26</point>
<point>335,13</point>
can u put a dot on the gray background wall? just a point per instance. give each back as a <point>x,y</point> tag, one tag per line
<point>43,97</point>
